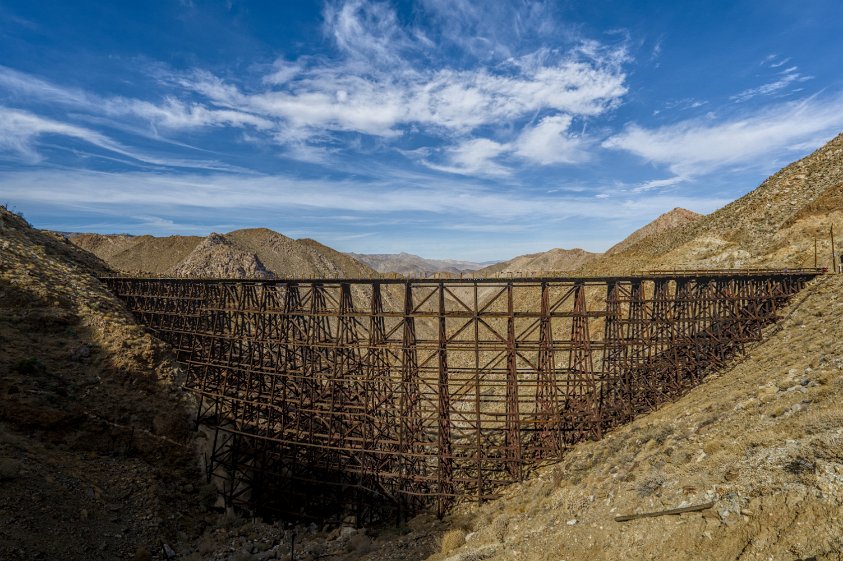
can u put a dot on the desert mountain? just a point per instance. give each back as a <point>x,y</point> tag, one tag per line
<point>217,257</point>
<point>286,257</point>
<point>667,221</point>
<point>412,265</point>
<point>147,254</point>
<point>555,260</point>
<point>773,226</point>
<point>249,253</point>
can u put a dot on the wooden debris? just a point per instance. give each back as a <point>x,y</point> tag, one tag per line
<point>692,508</point>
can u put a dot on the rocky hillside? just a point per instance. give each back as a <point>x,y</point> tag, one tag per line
<point>773,226</point>
<point>667,221</point>
<point>96,457</point>
<point>555,260</point>
<point>250,253</point>
<point>218,257</point>
<point>414,266</point>
<point>286,257</point>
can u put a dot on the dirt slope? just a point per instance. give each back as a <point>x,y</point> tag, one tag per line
<point>146,254</point>
<point>104,247</point>
<point>555,260</point>
<point>665,222</point>
<point>96,461</point>
<point>773,226</point>
<point>762,440</point>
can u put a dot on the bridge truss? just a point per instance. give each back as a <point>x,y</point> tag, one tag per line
<point>388,395</point>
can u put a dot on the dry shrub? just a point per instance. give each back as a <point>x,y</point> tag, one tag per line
<point>499,526</point>
<point>713,446</point>
<point>557,476</point>
<point>171,424</point>
<point>650,485</point>
<point>451,540</point>
<point>359,543</point>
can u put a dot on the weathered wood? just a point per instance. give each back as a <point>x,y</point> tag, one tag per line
<point>692,508</point>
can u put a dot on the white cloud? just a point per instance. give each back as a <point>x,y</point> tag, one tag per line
<point>698,146</point>
<point>389,78</point>
<point>378,88</point>
<point>546,143</point>
<point>366,31</point>
<point>337,98</point>
<point>550,143</point>
<point>25,86</point>
<point>175,114</point>
<point>170,113</point>
<point>474,157</point>
<point>660,183</point>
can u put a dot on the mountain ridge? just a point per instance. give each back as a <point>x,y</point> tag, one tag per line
<point>245,253</point>
<point>408,264</point>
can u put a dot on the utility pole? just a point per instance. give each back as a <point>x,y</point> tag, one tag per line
<point>833,256</point>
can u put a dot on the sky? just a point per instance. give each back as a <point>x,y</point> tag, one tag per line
<point>445,128</point>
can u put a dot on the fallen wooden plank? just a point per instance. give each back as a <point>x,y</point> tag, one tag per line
<point>692,508</point>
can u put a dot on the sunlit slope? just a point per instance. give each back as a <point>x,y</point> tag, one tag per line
<point>773,226</point>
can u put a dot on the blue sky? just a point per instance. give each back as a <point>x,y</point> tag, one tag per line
<point>445,128</point>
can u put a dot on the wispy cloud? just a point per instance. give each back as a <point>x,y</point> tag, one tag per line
<point>550,141</point>
<point>21,131</point>
<point>660,183</point>
<point>133,193</point>
<point>698,146</point>
<point>782,81</point>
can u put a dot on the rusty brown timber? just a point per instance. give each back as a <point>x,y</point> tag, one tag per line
<point>388,394</point>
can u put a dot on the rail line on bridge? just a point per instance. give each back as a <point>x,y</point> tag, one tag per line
<point>400,394</point>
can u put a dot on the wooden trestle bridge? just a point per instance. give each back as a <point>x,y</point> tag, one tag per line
<point>387,395</point>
